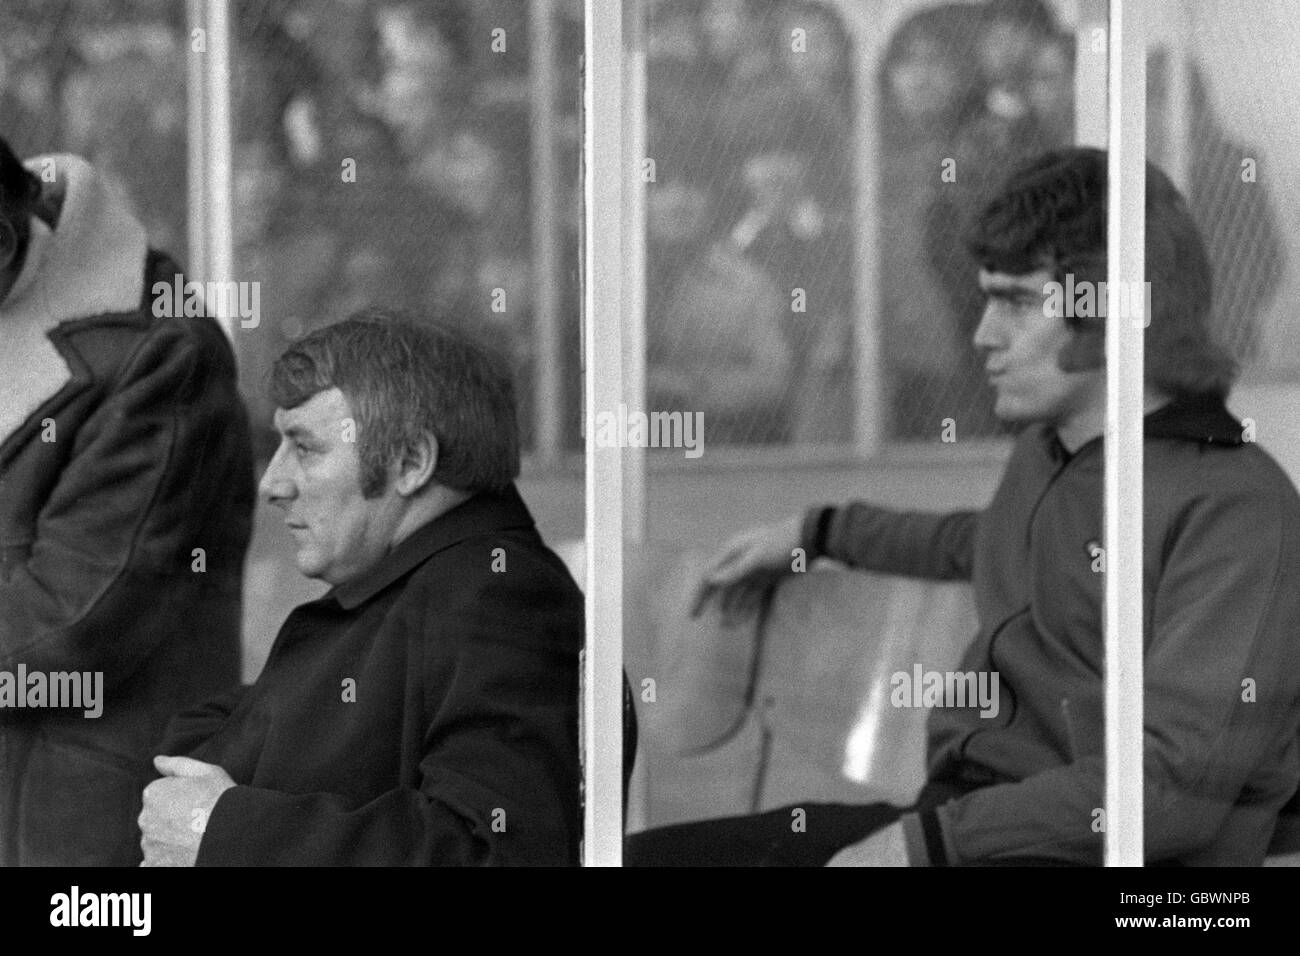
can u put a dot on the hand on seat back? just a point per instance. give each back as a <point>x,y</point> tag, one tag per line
<point>748,566</point>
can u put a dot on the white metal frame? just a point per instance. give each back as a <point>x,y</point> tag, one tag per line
<point>1126,231</point>
<point>211,234</point>
<point>546,234</point>
<point>634,260</point>
<point>604,172</point>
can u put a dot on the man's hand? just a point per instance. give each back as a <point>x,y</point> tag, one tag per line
<point>176,809</point>
<point>885,847</point>
<point>747,565</point>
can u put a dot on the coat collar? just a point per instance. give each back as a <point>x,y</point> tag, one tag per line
<point>485,512</point>
<point>92,263</point>
<point>1199,418</point>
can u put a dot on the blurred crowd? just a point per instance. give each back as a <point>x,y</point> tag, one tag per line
<point>966,92</point>
<point>432,102</point>
<point>753,129</point>
<point>750,217</point>
<point>381,153</point>
<point>755,141</point>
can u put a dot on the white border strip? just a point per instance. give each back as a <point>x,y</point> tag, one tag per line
<point>195,143</point>
<point>211,198</point>
<point>634,261</point>
<point>546,240</point>
<point>870,391</point>
<point>602,689</point>
<point>1125,242</point>
<point>1090,65</point>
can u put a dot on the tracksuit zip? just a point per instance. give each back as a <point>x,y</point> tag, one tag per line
<point>1011,716</point>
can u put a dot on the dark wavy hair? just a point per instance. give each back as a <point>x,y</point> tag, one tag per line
<point>1051,212</point>
<point>405,379</point>
<point>19,193</point>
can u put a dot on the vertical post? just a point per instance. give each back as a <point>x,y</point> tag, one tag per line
<point>603,172</point>
<point>210,164</point>
<point>1090,71</point>
<point>1179,161</point>
<point>547,351</point>
<point>634,261</point>
<point>195,142</point>
<point>1126,269</point>
<point>870,398</point>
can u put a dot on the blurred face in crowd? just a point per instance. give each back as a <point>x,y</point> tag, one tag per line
<point>924,84</point>
<point>677,211</point>
<point>464,170</point>
<point>418,64</point>
<point>258,184</point>
<point>315,479</point>
<point>672,35</point>
<point>819,67</point>
<point>1051,87</point>
<point>726,29</point>
<point>1006,49</point>
<point>775,179</point>
<point>1021,346</point>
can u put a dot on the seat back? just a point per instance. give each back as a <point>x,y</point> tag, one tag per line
<point>790,704</point>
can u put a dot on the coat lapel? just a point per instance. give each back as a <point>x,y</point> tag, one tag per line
<point>91,264</point>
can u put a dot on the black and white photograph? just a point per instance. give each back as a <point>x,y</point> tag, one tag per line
<point>650,433</point>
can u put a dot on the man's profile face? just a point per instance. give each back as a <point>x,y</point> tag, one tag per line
<point>315,478</point>
<point>1021,345</point>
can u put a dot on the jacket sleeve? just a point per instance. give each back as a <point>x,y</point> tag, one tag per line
<point>499,778</point>
<point>118,527</point>
<point>912,543</point>
<point>190,728</point>
<point>1221,691</point>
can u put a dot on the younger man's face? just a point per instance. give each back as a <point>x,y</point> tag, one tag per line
<point>1021,345</point>
<point>315,478</point>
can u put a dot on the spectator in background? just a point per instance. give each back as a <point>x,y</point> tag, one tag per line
<point>1237,218</point>
<point>387,230</point>
<point>733,33</point>
<point>821,63</point>
<point>116,105</point>
<point>715,337</point>
<point>126,492</point>
<point>768,141</point>
<point>714,319</point>
<point>1014,72</point>
<point>795,228</point>
<point>929,85</point>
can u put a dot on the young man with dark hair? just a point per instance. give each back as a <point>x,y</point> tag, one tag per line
<point>1221,548</point>
<point>126,495</point>
<point>424,711</point>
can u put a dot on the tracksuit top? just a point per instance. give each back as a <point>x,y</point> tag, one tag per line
<point>1221,610</point>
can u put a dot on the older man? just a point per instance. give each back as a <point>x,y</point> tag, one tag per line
<point>424,711</point>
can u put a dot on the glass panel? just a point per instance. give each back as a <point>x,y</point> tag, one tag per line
<point>382,155</point>
<point>104,81</point>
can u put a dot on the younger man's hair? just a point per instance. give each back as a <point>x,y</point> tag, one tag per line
<point>404,379</point>
<point>1051,213</point>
